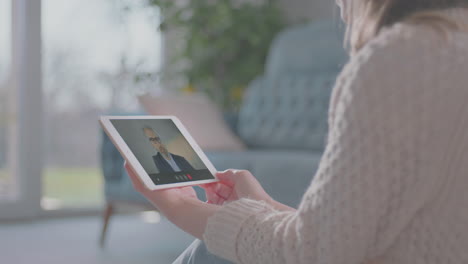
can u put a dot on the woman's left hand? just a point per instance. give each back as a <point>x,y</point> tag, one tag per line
<point>162,199</point>
<point>180,205</point>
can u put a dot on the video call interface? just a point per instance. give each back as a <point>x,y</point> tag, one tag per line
<point>162,150</point>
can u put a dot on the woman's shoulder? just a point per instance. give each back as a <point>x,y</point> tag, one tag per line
<point>395,46</point>
<point>401,60</point>
<point>385,60</point>
<point>412,44</point>
<point>406,53</point>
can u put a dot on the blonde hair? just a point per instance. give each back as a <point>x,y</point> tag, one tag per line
<point>367,18</point>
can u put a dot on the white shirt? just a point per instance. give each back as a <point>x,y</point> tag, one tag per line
<point>172,163</point>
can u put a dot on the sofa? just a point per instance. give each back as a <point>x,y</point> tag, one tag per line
<point>282,120</point>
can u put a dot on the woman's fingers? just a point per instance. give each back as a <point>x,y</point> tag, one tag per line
<point>214,198</point>
<point>218,200</point>
<point>226,177</point>
<point>224,191</point>
<point>218,193</point>
<point>211,196</point>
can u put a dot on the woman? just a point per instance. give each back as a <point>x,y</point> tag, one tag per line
<point>391,185</point>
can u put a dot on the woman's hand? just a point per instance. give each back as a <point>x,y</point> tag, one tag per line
<point>236,184</point>
<point>233,185</point>
<point>180,205</point>
<point>165,194</point>
<point>164,199</point>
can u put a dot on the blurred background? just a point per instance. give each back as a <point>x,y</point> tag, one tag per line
<point>63,63</point>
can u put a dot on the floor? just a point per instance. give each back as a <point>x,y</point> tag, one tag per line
<point>74,240</point>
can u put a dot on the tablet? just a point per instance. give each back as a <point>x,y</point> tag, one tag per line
<point>160,150</point>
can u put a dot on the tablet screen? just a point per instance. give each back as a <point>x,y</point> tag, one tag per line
<point>162,150</point>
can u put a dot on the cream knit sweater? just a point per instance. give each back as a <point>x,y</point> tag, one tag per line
<point>392,185</point>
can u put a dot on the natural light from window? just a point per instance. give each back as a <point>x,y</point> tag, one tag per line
<point>6,115</point>
<point>92,52</point>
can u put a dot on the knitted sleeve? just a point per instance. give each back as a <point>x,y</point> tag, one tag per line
<point>368,185</point>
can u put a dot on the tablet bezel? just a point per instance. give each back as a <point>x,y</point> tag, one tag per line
<point>128,155</point>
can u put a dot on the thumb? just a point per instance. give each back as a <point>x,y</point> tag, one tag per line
<point>226,177</point>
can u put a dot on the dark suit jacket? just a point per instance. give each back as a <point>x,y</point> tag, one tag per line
<point>164,166</point>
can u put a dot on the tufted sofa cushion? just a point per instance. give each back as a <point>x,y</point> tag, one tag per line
<point>312,47</point>
<point>287,112</point>
<point>287,108</point>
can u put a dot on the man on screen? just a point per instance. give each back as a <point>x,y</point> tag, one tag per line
<point>164,160</point>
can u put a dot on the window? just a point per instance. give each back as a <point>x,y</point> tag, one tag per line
<point>92,51</point>
<point>6,107</point>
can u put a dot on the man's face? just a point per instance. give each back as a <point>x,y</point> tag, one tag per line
<point>155,141</point>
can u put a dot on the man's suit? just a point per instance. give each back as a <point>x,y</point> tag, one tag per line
<point>164,166</point>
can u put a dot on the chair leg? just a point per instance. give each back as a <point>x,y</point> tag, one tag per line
<point>105,223</point>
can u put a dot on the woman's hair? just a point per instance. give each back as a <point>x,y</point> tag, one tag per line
<point>368,17</point>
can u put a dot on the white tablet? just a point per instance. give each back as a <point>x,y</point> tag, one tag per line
<point>160,150</point>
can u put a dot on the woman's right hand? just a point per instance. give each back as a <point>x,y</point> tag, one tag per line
<point>237,184</point>
<point>234,185</point>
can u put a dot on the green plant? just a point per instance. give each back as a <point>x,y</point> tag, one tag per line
<point>225,42</point>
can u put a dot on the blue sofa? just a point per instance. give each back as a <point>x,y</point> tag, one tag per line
<point>283,119</point>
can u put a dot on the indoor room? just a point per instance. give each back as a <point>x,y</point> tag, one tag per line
<point>233,131</point>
